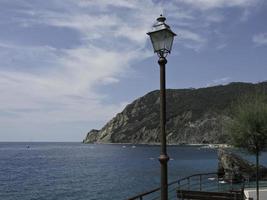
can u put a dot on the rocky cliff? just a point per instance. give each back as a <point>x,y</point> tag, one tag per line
<point>193,116</point>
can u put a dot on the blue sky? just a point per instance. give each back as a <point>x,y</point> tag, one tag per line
<point>69,66</point>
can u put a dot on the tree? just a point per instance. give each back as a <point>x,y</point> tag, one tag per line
<point>248,127</point>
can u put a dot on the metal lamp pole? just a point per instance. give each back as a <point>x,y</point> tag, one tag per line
<point>162,39</point>
<point>164,158</point>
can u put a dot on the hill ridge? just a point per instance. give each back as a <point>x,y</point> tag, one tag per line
<point>193,116</point>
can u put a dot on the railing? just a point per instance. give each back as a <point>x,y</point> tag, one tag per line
<point>252,183</point>
<point>155,193</point>
<point>201,195</point>
<point>209,186</point>
<point>208,182</point>
<point>173,186</point>
<point>200,182</point>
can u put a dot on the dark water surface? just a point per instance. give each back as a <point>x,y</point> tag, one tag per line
<point>74,171</point>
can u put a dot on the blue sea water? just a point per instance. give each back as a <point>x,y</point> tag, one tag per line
<point>75,171</point>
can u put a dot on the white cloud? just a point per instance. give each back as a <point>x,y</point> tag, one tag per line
<point>191,40</point>
<point>106,3</point>
<point>245,15</point>
<point>220,81</point>
<point>212,4</point>
<point>77,74</point>
<point>48,85</point>
<point>260,39</point>
<point>221,46</point>
<point>215,17</point>
<point>189,35</point>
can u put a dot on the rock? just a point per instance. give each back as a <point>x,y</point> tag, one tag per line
<point>91,136</point>
<point>193,116</point>
<point>233,168</point>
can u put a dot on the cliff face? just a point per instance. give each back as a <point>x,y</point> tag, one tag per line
<point>193,116</point>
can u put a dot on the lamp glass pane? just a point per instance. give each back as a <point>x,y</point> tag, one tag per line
<point>168,41</point>
<point>157,39</point>
<point>162,40</point>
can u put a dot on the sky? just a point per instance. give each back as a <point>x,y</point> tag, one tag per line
<point>67,67</point>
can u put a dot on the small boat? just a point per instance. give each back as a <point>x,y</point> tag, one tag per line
<point>124,147</point>
<point>133,147</point>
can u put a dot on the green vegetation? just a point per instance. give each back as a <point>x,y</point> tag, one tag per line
<point>248,127</point>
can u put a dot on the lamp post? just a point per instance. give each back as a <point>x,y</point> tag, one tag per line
<point>162,38</point>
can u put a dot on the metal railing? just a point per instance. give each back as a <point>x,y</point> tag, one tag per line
<point>200,182</point>
<point>155,193</point>
<point>173,186</point>
<point>252,183</point>
<point>208,182</point>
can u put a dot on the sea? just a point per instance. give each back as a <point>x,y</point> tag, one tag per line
<point>76,171</point>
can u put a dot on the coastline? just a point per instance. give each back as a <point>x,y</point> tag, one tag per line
<point>211,146</point>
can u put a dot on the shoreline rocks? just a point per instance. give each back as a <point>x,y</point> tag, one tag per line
<point>233,168</point>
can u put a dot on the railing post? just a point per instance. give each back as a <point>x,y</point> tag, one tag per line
<point>200,182</point>
<point>218,183</point>
<point>188,182</point>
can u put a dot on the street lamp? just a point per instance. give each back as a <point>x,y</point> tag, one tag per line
<point>162,38</point>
